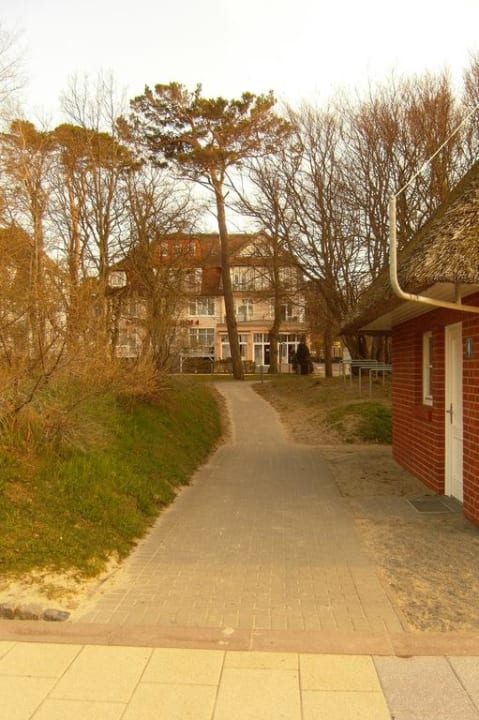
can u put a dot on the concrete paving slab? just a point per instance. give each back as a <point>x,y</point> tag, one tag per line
<point>21,696</point>
<point>78,710</point>
<point>262,660</point>
<point>348,673</point>
<point>103,674</point>
<point>344,706</point>
<point>467,671</point>
<point>5,647</point>
<point>247,694</point>
<point>171,702</point>
<point>178,684</point>
<point>424,688</point>
<point>195,667</point>
<point>31,659</point>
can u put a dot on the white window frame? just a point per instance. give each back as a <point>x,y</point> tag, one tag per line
<point>427,397</point>
<point>242,278</point>
<point>203,306</point>
<point>244,310</point>
<point>202,337</point>
<point>243,339</point>
<point>117,279</point>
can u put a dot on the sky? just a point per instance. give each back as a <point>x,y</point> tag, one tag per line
<point>303,50</point>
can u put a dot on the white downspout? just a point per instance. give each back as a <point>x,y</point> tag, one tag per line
<point>393,272</point>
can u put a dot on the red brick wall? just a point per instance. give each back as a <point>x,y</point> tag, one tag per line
<point>418,429</point>
<point>470,329</point>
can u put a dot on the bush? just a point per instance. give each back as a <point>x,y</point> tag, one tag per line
<point>366,421</point>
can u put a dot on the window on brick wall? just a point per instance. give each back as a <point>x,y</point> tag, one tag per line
<point>427,368</point>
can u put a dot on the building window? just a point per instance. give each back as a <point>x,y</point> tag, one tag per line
<point>129,343</point>
<point>202,337</point>
<point>289,311</point>
<point>288,343</point>
<point>202,306</point>
<point>243,345</point>
<point>427,368</point>
<point>242,278</point>
<point>193,279</point>
<point>117,279</point>
<point>132,308</point>
<point>244,310</point>
<point>288,277</point>
<point>163,248</point>
<point>261,348</point>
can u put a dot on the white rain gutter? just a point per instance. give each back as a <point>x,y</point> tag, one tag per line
<point>393,272</point>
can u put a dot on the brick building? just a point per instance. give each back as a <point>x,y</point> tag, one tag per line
<point>435,349</point>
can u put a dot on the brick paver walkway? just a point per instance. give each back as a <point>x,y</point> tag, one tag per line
<point>260,540</point>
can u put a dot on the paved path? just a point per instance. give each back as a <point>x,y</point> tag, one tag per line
<point>259,552</point>
<point>87,682</point>
<point>261,540</point>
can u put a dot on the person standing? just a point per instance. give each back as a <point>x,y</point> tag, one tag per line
<point>303,358</point>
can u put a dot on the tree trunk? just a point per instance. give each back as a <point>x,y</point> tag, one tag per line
<point>231,325</point>
<point>275,328</point>
<point>273,352</point>
<point>327,350</point>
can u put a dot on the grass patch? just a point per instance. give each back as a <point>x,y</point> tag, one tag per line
<point>64,507</point>
<point>363,421</point>
<point>320,410</point>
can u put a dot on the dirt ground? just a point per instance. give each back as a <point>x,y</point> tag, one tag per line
<point>428,562</point>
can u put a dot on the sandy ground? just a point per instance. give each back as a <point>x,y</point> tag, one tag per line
<point>428,563</point>
<point>59,591</point>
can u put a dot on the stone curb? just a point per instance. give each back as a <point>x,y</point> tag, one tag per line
<point>11,610</point>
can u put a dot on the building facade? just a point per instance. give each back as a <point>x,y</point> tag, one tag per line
<point>184,279</point>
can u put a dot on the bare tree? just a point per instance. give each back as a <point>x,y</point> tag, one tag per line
<point>24,160</point>
<point>388,137</point>
<point>11,74</point>
<point>158,209</point>
<point>324,234</point>
<point>94,103</point>
<point>470,105</point>
<point>100,170</point>
<point>262,197</point>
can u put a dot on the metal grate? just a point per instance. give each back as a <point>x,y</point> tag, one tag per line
<point>435,504</point>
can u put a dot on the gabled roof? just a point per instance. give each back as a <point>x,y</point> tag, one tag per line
<point>443,253</point>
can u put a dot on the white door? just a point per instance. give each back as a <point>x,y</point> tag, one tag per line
<point>453,415</point>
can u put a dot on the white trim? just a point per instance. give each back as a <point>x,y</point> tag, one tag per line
<point>453,400</point>
<point>427,397</point>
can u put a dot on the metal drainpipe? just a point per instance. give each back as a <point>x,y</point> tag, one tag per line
<point>393,272</point>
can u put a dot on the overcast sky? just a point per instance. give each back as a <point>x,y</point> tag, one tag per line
<point>301,49</point>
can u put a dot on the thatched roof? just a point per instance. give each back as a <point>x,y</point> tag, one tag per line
<point>445,250</point>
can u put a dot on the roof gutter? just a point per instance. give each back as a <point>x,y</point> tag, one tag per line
<point>393,273</point>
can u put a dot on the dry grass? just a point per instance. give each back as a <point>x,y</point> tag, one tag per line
<point>330,411</point>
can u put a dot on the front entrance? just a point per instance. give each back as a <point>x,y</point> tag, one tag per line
<point>453,415</point>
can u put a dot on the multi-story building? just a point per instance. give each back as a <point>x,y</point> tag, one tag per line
<point>185,279</point>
